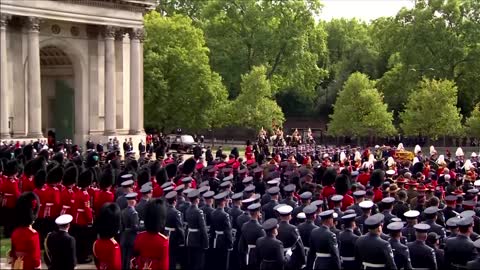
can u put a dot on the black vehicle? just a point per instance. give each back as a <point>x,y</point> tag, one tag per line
<point>181,143</point>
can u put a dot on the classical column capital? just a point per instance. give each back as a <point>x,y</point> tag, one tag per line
<point>137,33</point>
<point>119,34</point>
<point>109,32</point>
<point>92,31</point>
<point>33,24</point>
<point>4,18</point>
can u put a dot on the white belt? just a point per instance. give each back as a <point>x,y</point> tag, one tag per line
<point>373,265</point>
<point>323,255</point>
<point>234,232</point>
<point>456,265</point>
<point>169,230</point>
<point>46,212</point>
<point>192,230</point>
<point>347,259</point>
<point>307,250</point>
<point>64,209</point>
<point>250,247</point>
<point>217,233</point>
<point>49,204</point>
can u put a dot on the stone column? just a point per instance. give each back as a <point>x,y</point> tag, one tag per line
<point>4,132</point>
<point>34,81</point>
<point>136,93</point>
<point>110,91</point>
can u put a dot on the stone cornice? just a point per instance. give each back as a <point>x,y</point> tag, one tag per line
<point>132,5</point>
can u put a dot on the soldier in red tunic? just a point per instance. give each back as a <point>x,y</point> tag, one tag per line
<point>83,218</point>
<point>104,195</point>
<point>9,193</point>
<point>40,180</point>
<point>151,247</point>
<point>161,178</point>
<point>25,250</point>
<point>67,199</point>
<point>50,200</point>
<point>26,180</point>
<point>106,250</point>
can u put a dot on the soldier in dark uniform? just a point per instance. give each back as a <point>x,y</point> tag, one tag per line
<point>346,241</point>
<point>475,264</point>
<point>234,213</point>
<point>305,197</point>
<point>452,227</point>
<point>430,219</point>
<point>400,251</point>
<point>449,210</point>
<point>221,241</point>
<point>146,191</point>
<point>324,252</point>
<point>409,231</point>
<point>250,232</point>
<point>174,231</point>
<point>269,250</point>
<point>433,241</point>
<point>305,229</point>
<point>207,207</point>
<point>372,251</point>
<point>401,206</point>
<point>197,236</point>
<point>267,209</point>
<point>422,256</point>
<point>460,249</point>
<point>290,237</point>
<point>130,227</point>
<point>60,246</point>
<point>127,187</point>
<point>288,192</point>
<point>366,207</point>
<point>358,195</point>
<point>337,204</point>
<point>387,205</point>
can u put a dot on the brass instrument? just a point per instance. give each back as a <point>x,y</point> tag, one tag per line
<point>402,155</point>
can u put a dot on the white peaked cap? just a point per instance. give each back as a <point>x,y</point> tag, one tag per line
<point>417,149</point>
<point>459,152</point>
<point>400,146</point>
<point>432,150</point>
<point>63,220</point>
<point>477,183</point>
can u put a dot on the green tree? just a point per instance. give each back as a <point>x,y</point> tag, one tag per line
<point>255,107</point>
<point>431,110</point>
<point>180,88</point>
<point>359,110</point>
<point>472,125</point>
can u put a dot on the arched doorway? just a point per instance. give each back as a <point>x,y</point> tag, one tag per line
<point>58,94</point>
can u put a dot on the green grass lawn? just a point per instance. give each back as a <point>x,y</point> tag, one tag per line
<point>4,247</point>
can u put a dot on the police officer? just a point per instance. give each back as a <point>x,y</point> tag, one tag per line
<point>346,241</point>
<point>324,252</point>
<point>400,251</point>
<point>60,246</point>
<point>221,241</point>
<point>387,205</point>
<point>422,256</point>
<point>305,229</point>
<point>146,191</point>
<point>475,264</point>
<point>430,219</point>
<point>130,226</point>
<point>267,209</point>
<point>372,251</point>
<point>366,207</point>
<point>197,236</point>
<point>290,237</point>
<point>269,250</point>
<point>127,187</point>
<point>174,230</point>
<point>409,231</point>
<point>460,249</point>
<point>250,232</point>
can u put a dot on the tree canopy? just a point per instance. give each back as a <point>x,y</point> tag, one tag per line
<point>360,111</point>
<point>472,124</point>
<point>431,110</point>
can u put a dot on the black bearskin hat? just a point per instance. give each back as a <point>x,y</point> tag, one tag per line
<point>132,165</point>
<point>38,164</point>
<point>378,165</point>
<point>78,161</point>
<point>161,176</point>
<point>28,152</point>
<point>154,167</point>
<point>329,177</point>
<point>171,170</point>
<point>377,178</point>
<point>235,152</point>
<point>143,177</point>
<point>155,215</point>
<point>52,165</point>
<point>92,159</point>
<point>11,168</point>
<point>26,209</point>
<point>70,176</point>
<point>55,175</point>
<point>341,184</point>
<point>85,179</point>
<point>43,154</point>
<point>58,157</point>
<point>28,168</point>
<point>417,167</point>
<point>108,221</point>
<point>189,166</point>
<point>452,165</point>
<point>40,178</point>
<point>106,179</point>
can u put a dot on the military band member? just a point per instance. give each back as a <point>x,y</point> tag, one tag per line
<point>323,252</point>
<point>197,236</point>
<point>130,228</point>
<point>250,232</point>
<point>409,231</point>
<point>60,246</point>
<point>221,241</point>
<point>346,241</point>
<point>401,254</point>
<point>460,249</point>
<point>422,256</point>
<point>269,250</point>
<point>372,251</point>
<point>174,230</point>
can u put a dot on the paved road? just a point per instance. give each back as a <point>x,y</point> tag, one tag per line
<point>4,265</point>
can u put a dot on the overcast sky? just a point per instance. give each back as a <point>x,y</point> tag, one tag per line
<point>365,10</point>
